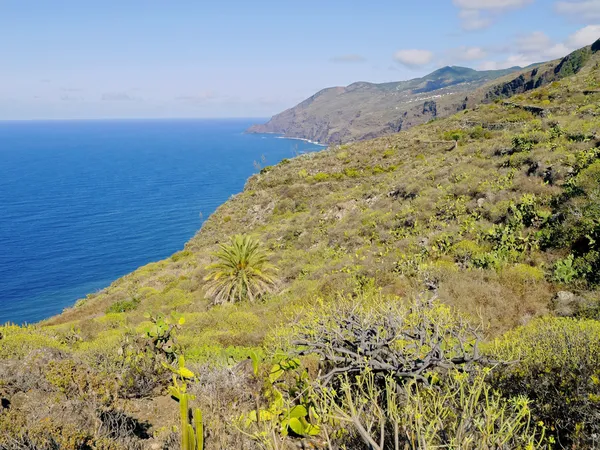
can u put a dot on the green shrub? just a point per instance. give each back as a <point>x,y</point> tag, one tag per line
<point>321,176</point>
<point>181,255</point>
<point>564,272</point>
<point>123,306</point>
<point>351,172</point>
<point>557,366</point>
<point>454,135</point>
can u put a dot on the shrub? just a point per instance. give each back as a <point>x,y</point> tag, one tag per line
<point>321,176</point>
<point>351,172</point>
<point>378,334</point>
<point>564,272</point>
<point>461,411</point>
<point>123,306</point>
<point>454,135</point>
<point>406,375</point>
<point>181,255</point>
<point>558,368</point>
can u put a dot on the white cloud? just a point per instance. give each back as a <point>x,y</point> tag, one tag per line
<point>533,42</point>
<point>512,61</point>
<point>491,4</point>
<point>582,11</point>
<point>197,98</point>
<point>118,97</point>
<point>538,47</point>
<point>586,36</point>
<point>488,65</point>
<point>469,53</point>
<point>479,14</point>
<point>413,57</point>
<point>351,58</point>
<point>473,20</point>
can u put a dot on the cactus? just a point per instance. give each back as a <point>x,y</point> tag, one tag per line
<point>192,429</point>
<point>161,335</point>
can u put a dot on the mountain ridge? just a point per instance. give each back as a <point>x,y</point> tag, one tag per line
<point>364,110</point>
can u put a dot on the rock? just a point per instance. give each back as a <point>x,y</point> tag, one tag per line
<point>566,304</point>
<point>430,108</point>
<point>480,202</point>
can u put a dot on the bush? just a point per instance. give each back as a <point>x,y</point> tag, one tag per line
<point>558,368</point>
<point>454,135</point>
<point>123,306</point>
<point>460,411</point>
<point>564,272</point>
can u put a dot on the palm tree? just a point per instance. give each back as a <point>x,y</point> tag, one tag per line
<point>242,271</point>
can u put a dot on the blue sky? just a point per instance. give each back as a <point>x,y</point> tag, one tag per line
<point>151,58</point>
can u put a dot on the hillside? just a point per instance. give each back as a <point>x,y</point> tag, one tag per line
<point>366,110</point>
<point>492,211</point>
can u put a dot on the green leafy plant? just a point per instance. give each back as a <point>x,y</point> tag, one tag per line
<point>241,273</point>
<point>286,406</point>
<point>161,335</point>
<point>564,272</point>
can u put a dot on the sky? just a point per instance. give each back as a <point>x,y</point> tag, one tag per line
<point>73,59</point>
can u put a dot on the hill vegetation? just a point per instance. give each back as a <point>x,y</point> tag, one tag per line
<point>434,287</point>
<point>366,110</point>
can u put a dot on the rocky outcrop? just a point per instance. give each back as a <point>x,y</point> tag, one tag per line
<point>366,110</point>
<point>545,74</point>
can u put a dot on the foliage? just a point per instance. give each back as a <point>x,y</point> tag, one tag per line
<point>564,272</point>
<point>242,272</point>
<point>123,306</point>
<point>284,407</point>
<point>161,335</point>
<point>558,369</point>
<point>460,410</point>
<point>493,227</point>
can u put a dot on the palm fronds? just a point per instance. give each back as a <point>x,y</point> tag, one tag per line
<point>242,271</point>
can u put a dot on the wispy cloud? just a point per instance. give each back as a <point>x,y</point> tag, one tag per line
<point>351,58</point>
<point>413,58</point>
<point>118,97</point>
<point>538,47</point>
<point>197,98</point>
<point>480,14</point>
<point>585,36</point>
<point>70,98</point>
<point>468,53</point>
<point>587,11</point>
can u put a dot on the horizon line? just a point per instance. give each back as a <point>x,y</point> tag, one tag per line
<point>106,119</point>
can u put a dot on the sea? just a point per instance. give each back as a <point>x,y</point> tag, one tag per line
<point>83,203</point>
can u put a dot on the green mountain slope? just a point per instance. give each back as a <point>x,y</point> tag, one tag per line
<point>494,210</point>
<point>366,110</point>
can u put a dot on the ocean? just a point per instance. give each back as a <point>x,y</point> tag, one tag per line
<point>85,202</point>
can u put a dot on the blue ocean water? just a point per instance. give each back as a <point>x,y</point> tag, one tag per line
<point>85,202</point>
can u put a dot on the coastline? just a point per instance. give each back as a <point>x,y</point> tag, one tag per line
<point>284,136</point>
<point>300,139</point>
<point>177,222</point>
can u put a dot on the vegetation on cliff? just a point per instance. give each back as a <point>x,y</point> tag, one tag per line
<point>436,287</point>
